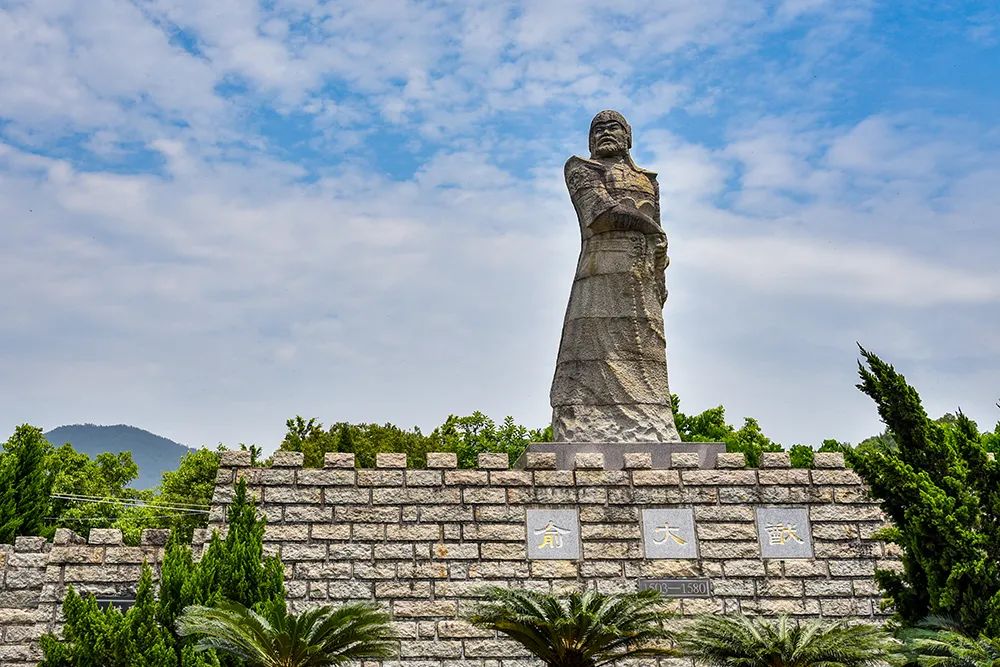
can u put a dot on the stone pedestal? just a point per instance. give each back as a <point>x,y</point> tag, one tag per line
<point>614,452</point>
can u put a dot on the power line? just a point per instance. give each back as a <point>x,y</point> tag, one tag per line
<point>131,502</point>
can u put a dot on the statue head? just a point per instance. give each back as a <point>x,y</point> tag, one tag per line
<point>610,135</point>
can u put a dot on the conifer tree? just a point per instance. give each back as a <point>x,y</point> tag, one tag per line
<point>942,492</point>
<point>26,484</point>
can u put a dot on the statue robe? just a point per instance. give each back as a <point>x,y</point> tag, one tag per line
<point>610,382</point>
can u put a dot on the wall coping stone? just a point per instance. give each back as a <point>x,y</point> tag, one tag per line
<point>684,460</point>
<point>775,460</point>
<point>390,460</point>
<point>829,460</point>
<point>282,459</point>
<point>27,544</point>
<point>589,461</point>
<point>539,461</point>
<point>234,458</point>
<point>493,461</point>
<point>731,460</point>
<point>110,536</point>
<point>638,461</point>
<point>438,460</point>
<point>338,460</point>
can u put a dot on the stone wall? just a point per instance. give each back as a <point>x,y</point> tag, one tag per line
<point>421,542</point>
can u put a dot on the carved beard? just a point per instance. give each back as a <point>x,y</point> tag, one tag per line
<point>612,148</point>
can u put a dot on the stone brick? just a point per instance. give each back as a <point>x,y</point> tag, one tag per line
<point>461,629</point>
<point>851,568</point>
<point>511,478</point>
<point>285,459</point>
<point>716,477</point>
<point>368,477</point>
<point>67,536</point>
<point>430,649</point>
<point>105,536</point>
<point>827,587</point>
<point>494,532</point>
<point>423,478</point>
<point>231,458</point>
<point>554,569</point>
<point>439,460</point>
<point>366,513</point>
<point>326,477</point>
<point>780,588</point>
<point>589,460</point>
<point>484,496</point>
<point>26,544</point>
<point>291,494</point>
<point>638,461</point>
<point>330,531</point>
<point>835,477</point>
<point>684,460</point>
<point>154,536</point>
<point>743,568</point>
<point>845,513</point>
<point>828,460</point>
<point>494,648</point>
<point>308,513</point>
<point>663,568</point>
<point>338,460</point>
<point>390,460</point>
<point>294,552</point>
<point>778,476</point>
<point>416,496</point>
<point>612,550</point>
<point>459,551</point>
<point>503,551</point>
<point>727,531</point>
<point>775,460</point>
<point>445,513</point>
<point>730,460</point>
<point>656,477</point>
<point>413,532</point>
<point>726,550</point>
<point>600,478</point>
<point>466,477</point>
<point>610,531</point>
<point>540,460</point>
<point>616,513</point>
<point>493,461</point>
<point>725,513</point>
<point>555,478</point>
<point>424,608</point>
<point>346,496</point>
<point>805,568</point>
<point>350,590</point>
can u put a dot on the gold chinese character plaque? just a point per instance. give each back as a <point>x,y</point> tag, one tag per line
<point>784,532</point>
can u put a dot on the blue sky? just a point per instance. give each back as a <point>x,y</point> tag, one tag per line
<point>215,216</point>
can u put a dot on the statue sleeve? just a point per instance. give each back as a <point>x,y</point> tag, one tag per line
<point>587,191</point>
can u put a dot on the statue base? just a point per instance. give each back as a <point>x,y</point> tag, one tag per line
<point>614,452</point>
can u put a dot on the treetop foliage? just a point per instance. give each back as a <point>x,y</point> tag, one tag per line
<point>938,484</point>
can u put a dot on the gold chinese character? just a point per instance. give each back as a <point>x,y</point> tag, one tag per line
<point>551,536</point>
<point>779,533</point>
<point>668,532</point>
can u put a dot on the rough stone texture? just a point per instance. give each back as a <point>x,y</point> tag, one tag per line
<point>610,382</point>
<point>661,454</point>
<point>422,542</point>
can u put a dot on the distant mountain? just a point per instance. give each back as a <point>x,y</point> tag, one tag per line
<point>152,453</point>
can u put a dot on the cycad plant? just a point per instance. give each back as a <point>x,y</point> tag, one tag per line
<point>937,642</point>
<point>581,630</point>
<point>739,641</point>
<point>318,637</point>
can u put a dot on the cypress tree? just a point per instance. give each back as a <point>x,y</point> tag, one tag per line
<point>942,492</point>
<point>26,483</point>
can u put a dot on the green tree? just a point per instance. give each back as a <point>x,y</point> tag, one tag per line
<point>938,643</point>
<point>25,484</point>
<point>316,638</point>
<point>801,456</point>
<point>107,637</point>
<point>738,641</point>
<point>711,426</point>
<point>941,490</point>
<point>190,486</point>
<point>584,630</point>
<point>232,568</point>
<point>308,437</point>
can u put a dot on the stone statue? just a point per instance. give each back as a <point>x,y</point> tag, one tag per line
<point>610,382</point>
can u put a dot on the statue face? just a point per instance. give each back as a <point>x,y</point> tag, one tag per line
<point>609,139</point>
